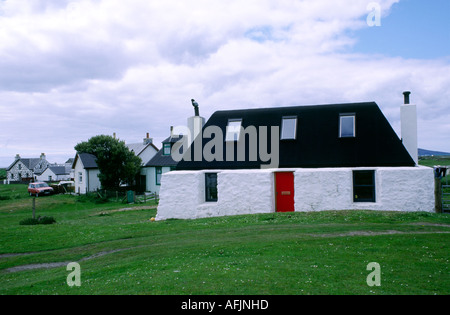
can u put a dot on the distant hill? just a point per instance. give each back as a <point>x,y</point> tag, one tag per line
<point>423,152</point>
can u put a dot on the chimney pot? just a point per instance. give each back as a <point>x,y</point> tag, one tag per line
<point>406,96</point>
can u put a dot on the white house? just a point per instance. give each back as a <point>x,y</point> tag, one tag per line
<point>304,158</point>
<point>55,173</point>
<point>86,170</point>
<point>86,173</point>
<point>160,164</point>
<point>146,150</point>
<point>26,169</point>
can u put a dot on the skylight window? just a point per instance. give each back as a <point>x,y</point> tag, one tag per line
<point>233,130</point>
<point>347,126</point>
<point>289,128</point>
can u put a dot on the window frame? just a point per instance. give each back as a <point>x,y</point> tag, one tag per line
<point>357,186</point>
<point>209,197</point>
<point>167,146</point>
<point>158,175</point>
<point>228,132</point>
<point>283,119</point>
<point>341,116</point>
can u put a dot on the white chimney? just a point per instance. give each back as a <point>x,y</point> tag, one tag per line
<point>195,126</point>
<point>195,123</point>
<point>408,114</point>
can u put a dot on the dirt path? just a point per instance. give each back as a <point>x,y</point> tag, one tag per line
<point>59,264</point>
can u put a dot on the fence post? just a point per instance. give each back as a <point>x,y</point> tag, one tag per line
<point>34,207</point>
<point>438,194</point>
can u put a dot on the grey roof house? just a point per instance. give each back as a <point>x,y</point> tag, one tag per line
<point>160,164</point>
<point>26,169</point>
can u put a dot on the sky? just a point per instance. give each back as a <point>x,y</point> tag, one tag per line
<point>70,70</point>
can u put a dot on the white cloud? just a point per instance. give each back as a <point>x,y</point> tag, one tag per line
<point>83,68</point>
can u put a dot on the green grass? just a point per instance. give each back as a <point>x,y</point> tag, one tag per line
<point>123,252</point>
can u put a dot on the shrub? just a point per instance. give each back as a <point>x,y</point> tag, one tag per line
<point>46,220</point>
<point>29,221</point>
<point>40,220</point>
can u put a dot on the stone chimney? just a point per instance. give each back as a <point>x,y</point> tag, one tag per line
<point>42,156</point>
<point>408,114</point>
<point>17,157</point>
<point>148,140</point>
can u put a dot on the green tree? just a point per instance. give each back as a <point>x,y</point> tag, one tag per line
<point>116,163</point>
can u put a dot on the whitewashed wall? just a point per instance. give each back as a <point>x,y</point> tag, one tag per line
<point>90,181</point>
<point>397,189</point>
<point>45,176</point>
<point>182,194</point>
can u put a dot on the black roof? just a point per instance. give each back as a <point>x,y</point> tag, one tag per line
<point>161,160</point>
<point>89,160</point>
<point>317,143</point>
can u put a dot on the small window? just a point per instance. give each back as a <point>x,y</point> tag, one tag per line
<point>158,175</point>
<point>364,186</point>
<point>347,126</point>
<point>166,149</point>
<point>211,187</point>
<point>233,130</point>
<point>80,177</point>
<point>289,128</point>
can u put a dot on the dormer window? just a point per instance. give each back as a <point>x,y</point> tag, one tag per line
<point>166,149</point>
<point>289,128</point>
<point>347,126</point>
<point>233,130</point>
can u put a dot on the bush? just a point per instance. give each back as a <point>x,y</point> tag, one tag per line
<point>29,221</point>
<point>46,220</point>
<point>40,220</point>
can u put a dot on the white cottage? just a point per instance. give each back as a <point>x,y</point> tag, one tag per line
<point>160,164</point>
<point>306,158</point>
<point>55,173</point>
<point>86,173</point>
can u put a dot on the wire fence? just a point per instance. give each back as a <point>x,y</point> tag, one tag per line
<point>124,196</point>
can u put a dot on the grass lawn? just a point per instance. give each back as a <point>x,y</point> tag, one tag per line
<point>120,251</point>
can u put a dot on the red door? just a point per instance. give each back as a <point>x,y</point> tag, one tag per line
<point>284,186</point>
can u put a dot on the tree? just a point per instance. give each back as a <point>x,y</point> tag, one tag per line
<point>116,163</point>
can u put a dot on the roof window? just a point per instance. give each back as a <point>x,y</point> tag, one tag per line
<point>233,130</point>
<point>289,128</point>
<point>347,126</point>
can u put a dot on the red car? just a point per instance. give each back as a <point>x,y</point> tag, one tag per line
<point>39,188</point>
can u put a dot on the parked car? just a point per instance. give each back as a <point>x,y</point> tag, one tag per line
<point>39,188</point>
